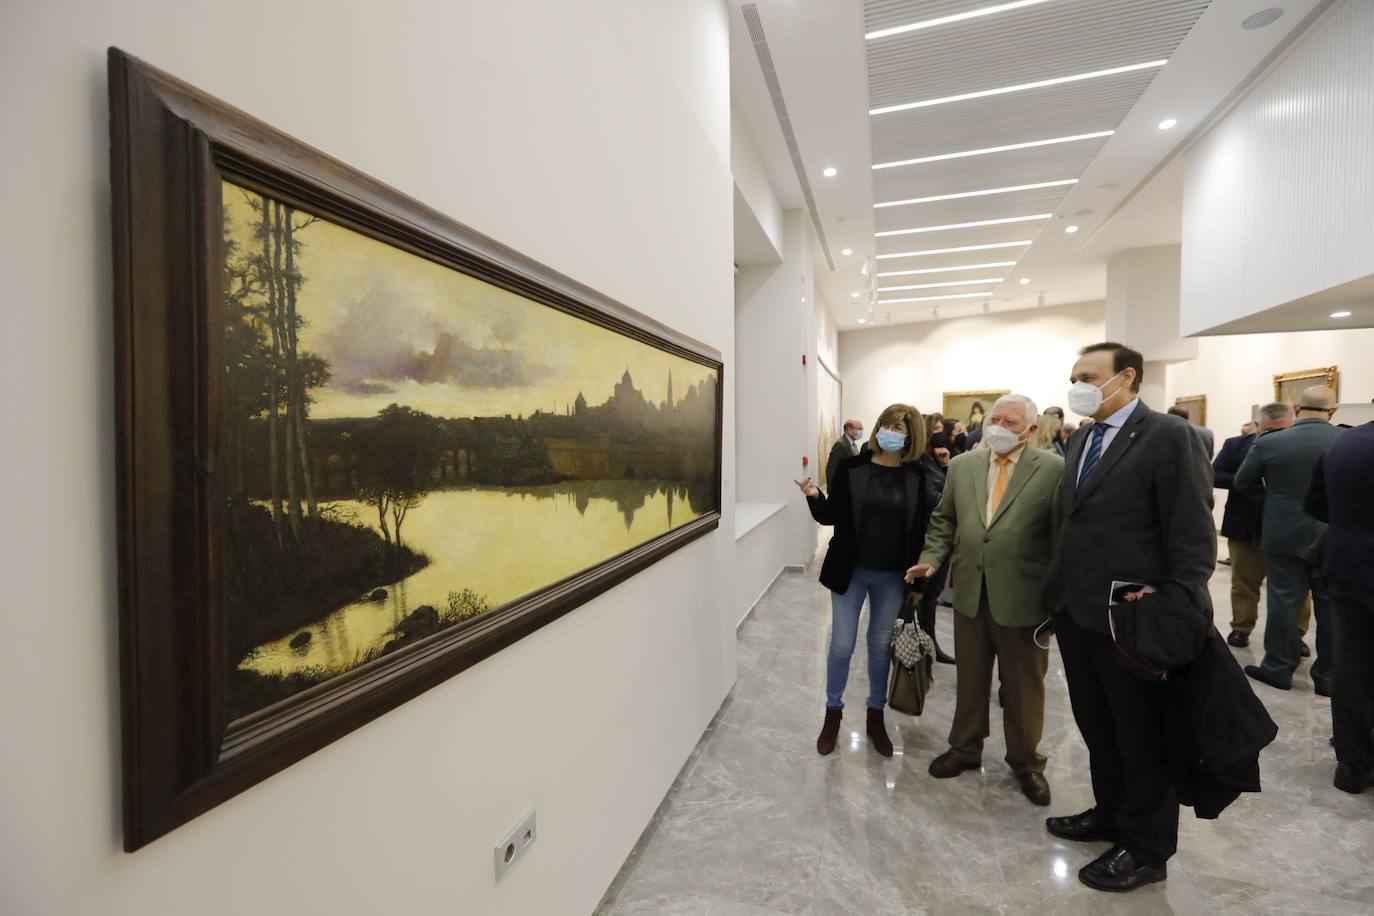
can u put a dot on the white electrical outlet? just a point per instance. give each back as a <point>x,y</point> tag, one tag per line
<point>515,845</point>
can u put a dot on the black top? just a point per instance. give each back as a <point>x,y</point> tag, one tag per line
<point>884,516</point>
<point>1243,511</point>
<point>846,505</point>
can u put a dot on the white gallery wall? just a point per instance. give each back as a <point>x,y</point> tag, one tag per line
<point>1276,197</point>
<point>1031,352</point>
<point>1237,372</point>
<point>593,136</point>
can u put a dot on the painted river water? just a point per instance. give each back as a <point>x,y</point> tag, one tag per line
<point>502,543</point>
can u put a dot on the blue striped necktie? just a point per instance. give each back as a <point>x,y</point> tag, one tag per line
<point>1094,453</point>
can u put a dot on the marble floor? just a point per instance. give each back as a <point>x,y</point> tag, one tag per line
<point>758,824</point>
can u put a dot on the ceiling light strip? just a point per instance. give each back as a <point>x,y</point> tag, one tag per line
<point>956,17</point>
<point>1019,87</point>
<point>941,270</point>
<point>973,225</point>
<point>994,149</point>
<point>916,254</point>
<point>963,194</point>
<point>937,298</point>
<point>899,289</point>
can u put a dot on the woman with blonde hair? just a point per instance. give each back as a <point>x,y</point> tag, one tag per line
<point>879,506</point>
<point>1047,432</point>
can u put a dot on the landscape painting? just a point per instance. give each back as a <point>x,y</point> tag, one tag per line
<point>1288,385</point>
<point>410,448</point>
<point>831,425</point>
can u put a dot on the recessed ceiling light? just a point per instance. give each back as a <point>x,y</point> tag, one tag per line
<point>941,270</point>
<point>861,321</point>
<point>1340,314</point>
<point>830,171</point>
<point>982,295</point>
<point>994,149</point>
<point>899,289</point>
<point>973,225</point>
<point>1167,123</point>
<point>1019,87</point>
<point>1262,18</point>
<point>1109,186</point>
<point>1025,280</point>
<point>854,295</point>
<point>846,251</point>
<point>1070,229</point>
<point>956,17</point>
<point>1008,190</point>
<point>914,254</point>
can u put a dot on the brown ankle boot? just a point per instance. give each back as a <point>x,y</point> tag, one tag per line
<point>829,731</point>
<point>877,731</point>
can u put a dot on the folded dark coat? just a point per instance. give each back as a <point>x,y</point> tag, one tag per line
<point>1217,728</point>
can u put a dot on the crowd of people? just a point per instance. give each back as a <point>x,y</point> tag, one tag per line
<point>1102,538</point>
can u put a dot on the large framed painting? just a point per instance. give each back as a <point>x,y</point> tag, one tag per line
<point>360,446</point>
<point>829,403</point>
<point>1196,405</point>
<point>1288,385</point>
<point>970,406</point>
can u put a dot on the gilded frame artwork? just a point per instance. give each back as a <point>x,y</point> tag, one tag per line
<point>185,166</point>
<point>960,405</point>
<point>1196,405</point>
<point>1288,385</point>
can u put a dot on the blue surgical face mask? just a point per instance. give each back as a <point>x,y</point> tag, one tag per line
<point>889,440</point>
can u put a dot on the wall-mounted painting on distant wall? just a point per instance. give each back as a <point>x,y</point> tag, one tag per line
<point>1196,405</point>
<point>970,407</point>
<point>1288,385</point>
<point>831,426</point>
<point>361,447</point>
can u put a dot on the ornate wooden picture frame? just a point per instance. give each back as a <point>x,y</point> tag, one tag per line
<point>219,222</point>
<point>1288,385</point>
<point>1196,405</point>
<point>969,407</point>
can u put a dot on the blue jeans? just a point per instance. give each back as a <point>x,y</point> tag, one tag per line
<point>884,591</point>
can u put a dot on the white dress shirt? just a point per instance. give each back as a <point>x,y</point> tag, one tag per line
<point>1114,424</point>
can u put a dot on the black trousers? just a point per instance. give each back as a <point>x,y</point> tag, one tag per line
<point>1352,688</point>
<point>1122,720</point>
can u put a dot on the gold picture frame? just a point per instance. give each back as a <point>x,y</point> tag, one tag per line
<point>1196,405</point>
<point>1288,385</point>
<point>958,405</point>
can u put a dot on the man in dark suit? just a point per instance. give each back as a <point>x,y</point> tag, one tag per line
<point>1342,493</point>
<point>1209,441</point>
<point>1279,468</point>
<point>1241,526</point>
<point>847,446</point>
<point>1135,505</point>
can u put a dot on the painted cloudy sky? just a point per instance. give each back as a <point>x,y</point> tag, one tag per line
<point>396,328</point>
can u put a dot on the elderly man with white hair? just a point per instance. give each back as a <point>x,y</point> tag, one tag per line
<point>996,517</point>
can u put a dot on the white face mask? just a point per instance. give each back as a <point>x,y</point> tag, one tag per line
<point>858,435</point>
<point>1085,398</point>
<point>1000,439</point>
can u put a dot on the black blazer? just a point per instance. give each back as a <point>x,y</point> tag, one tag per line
<point>1144,515</point>
<point>1342,493</point>
<point>1243,512</point>
<point>843,508</point>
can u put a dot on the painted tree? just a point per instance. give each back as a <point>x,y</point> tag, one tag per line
<point>398,454</point>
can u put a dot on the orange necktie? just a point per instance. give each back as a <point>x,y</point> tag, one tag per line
<point>999,486</point>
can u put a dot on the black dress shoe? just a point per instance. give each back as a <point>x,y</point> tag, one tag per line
<point>1264,677</point>
<point>1304,650</point>
<point>942,656</point>
<point>1238,639</point>
<point>1322,687</point>
<point>1117,870</point>
<point>1082,828</point>
<point>1349,779</point>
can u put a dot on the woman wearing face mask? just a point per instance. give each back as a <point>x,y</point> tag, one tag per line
<point>879,506</point>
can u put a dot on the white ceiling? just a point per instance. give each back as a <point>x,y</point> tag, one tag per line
<point>1129,185</point>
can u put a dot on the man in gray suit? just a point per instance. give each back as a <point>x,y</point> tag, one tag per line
<point>846,446</point>
<point>1279,468</point>
<point>1135,505</point>
<point>1209,442</point>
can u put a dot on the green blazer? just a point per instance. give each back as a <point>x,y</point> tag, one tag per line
<point>1009,552</point>
<point>1278,468</point>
